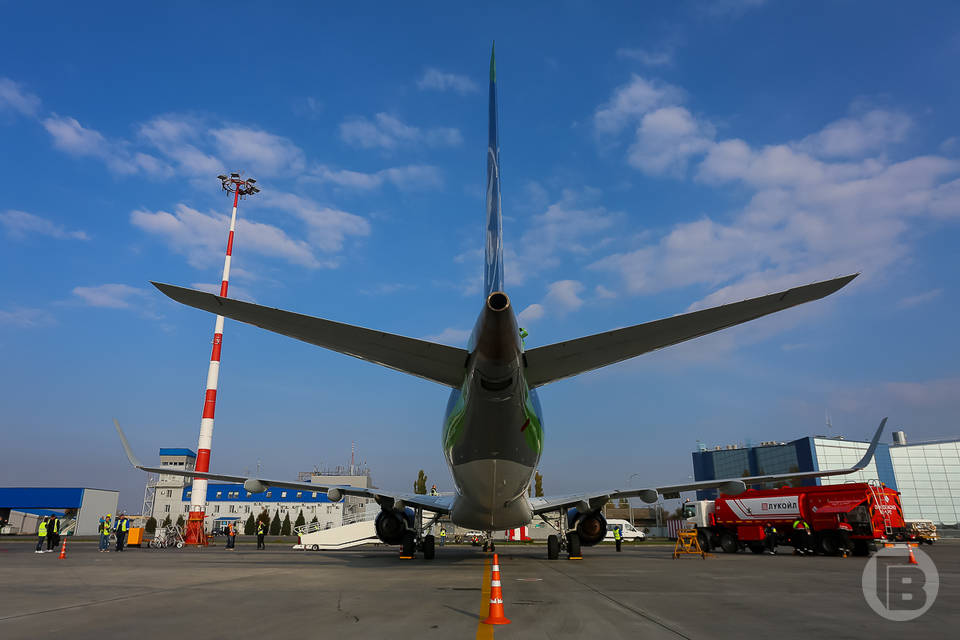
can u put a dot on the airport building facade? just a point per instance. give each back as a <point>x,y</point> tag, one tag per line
<point>927,474</point>
<point>228,503</point>
<point>80,509</point>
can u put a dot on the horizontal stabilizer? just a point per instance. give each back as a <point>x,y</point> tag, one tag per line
<point>565,359</point>
<point>729,486</point>
<point>436,362</point>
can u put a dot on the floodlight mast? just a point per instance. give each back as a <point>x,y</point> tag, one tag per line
<point>195,530</point>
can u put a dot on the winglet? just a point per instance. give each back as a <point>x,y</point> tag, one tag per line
<point>868,456</point>
<point>126,446</point>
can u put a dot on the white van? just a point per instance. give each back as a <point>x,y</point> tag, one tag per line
<point>628,532</point>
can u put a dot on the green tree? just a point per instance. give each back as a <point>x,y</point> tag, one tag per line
<point>285,527</point>
<point>420,486</point>
<point>151,526</point>
<point>166,521</point>
<point>249,527</point>
<point>300,520</point>
<point>275,524</point>
<point>264,517</point>
<point>180,521</point>
<point>314,520</point>
<point>538,481</point>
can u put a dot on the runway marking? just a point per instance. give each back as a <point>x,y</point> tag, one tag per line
<point>485,631</point>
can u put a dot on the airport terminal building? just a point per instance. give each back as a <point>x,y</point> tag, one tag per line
<point>169,496</point>
<point>927,474</point>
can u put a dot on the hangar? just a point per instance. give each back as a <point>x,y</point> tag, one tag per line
<point>22,507</point>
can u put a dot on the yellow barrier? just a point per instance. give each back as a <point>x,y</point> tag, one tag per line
<point>688,544</point>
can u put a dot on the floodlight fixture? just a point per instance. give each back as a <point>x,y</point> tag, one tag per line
<point>222,177</point>
<point>251,180</point>
<point>234,175</point>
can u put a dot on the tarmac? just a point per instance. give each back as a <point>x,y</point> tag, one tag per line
<point>369,592</point>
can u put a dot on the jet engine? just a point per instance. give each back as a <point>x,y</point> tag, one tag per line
<point>591,527</point>
<point>391,524</point>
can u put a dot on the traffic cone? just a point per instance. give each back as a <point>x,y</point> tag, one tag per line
<point>912,560</point>
<point>496,596</point>
<point>63,550</point>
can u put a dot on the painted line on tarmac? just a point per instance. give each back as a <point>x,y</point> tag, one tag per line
<point>639,612</point>
<point>485,631</point>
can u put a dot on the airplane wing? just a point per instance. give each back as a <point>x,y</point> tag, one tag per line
<point>436,362</point>
<point>386,499</point>
<point>565,359</point>
<point>729,486</point>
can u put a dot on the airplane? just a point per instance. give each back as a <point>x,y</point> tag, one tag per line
<point>493,429</point>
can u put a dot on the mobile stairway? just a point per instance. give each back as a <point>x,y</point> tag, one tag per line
<point>313,537</point>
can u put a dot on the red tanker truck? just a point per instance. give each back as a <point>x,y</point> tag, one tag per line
<point>733,523</point>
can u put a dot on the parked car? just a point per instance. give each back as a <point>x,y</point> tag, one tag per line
<point>628,532</point>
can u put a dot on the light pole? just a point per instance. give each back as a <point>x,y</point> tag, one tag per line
<point>195,531</point>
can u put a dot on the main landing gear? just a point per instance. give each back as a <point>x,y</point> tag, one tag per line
<point>488,544</point>
<point>566,541</point>
<point>414,539</point>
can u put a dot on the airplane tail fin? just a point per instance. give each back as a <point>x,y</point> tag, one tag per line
<point>493,266</point>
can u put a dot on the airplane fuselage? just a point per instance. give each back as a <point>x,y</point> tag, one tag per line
<point>493,427</point>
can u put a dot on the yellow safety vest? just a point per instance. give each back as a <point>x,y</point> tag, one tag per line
<point>261,529</point>
<point>123,525</point>
<point>800,524</point>
<point>616,533</point>
<point>443,533</point>
<point>42,532</point>
<point>56,525</point>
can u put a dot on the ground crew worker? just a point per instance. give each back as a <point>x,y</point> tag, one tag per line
<point>523,336</point>
<point>231,536</point>
<point>41,535</point>
<point>121,531</point>
<point>53,533</point>
<point>845,532</point>
<point>443,536</point>
<point>770,538</point>
<point>261,532</point>
<point>617,538</point>
<point>104,531</point>
<point>801,537</point>
<point>433,491</point>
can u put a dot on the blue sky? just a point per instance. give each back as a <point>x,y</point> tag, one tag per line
<point>655,160</point>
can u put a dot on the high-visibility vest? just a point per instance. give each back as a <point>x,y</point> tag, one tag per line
<point>55,525</point>
<point>261,528</point>
<point>800,524</point>
<point>42,531</point>
<point>122,525</point>
<point>443,533</point>
<point>616,533</point>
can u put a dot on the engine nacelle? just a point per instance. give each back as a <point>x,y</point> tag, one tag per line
<point>391,524</point>
<point>591,527</point>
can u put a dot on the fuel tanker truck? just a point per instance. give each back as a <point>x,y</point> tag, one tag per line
<point>871,509</point>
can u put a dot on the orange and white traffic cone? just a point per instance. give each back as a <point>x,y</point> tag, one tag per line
<point>63,550</point>
<point>496,596</point>
<point>912,560</point>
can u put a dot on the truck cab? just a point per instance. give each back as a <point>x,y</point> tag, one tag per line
<point>697,513</point>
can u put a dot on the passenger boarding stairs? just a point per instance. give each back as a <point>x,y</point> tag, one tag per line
<point>354,532</point>
<point>876,490</point>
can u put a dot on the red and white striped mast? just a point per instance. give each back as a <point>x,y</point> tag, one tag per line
<point>195,533</point>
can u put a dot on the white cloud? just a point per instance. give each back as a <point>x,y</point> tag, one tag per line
<point>26,317</point>
<point>564,295</point>
<point>201,237</point>
<point>853,137</point>
<point>13,97</point>
<point>646,57</point>
<point>920,298</point>
<point>532,313</point>
<point>73,138</point>
<point>631,101</point>
<point>450,336</point>
<point>327,228</point>
<point>389,132</point>
<point>110,296</point>
<point>175,137</point>
<point>19,224</point>
<point>407,178</point>
<point>258,151</point>
<point>666,139</point>
<point>443,81</point>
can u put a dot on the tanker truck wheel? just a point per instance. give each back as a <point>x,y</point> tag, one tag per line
<point>756,547</point>
<point>829,544</point>
<point>704,539</point>
<point>728,542</point>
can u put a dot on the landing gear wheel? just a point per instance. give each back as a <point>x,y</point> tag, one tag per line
<point>728,542</point>
<point>486,545</point>
<point>493,547</point>
<point>408,547</point>
<point>429,547</point>
<point>573,545</point>
<point>553,547</point>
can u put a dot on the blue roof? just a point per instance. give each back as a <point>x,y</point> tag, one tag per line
<point>275,495</point>
<point>21,498</point>
<point>40,512</point>
<point>178,452</point>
